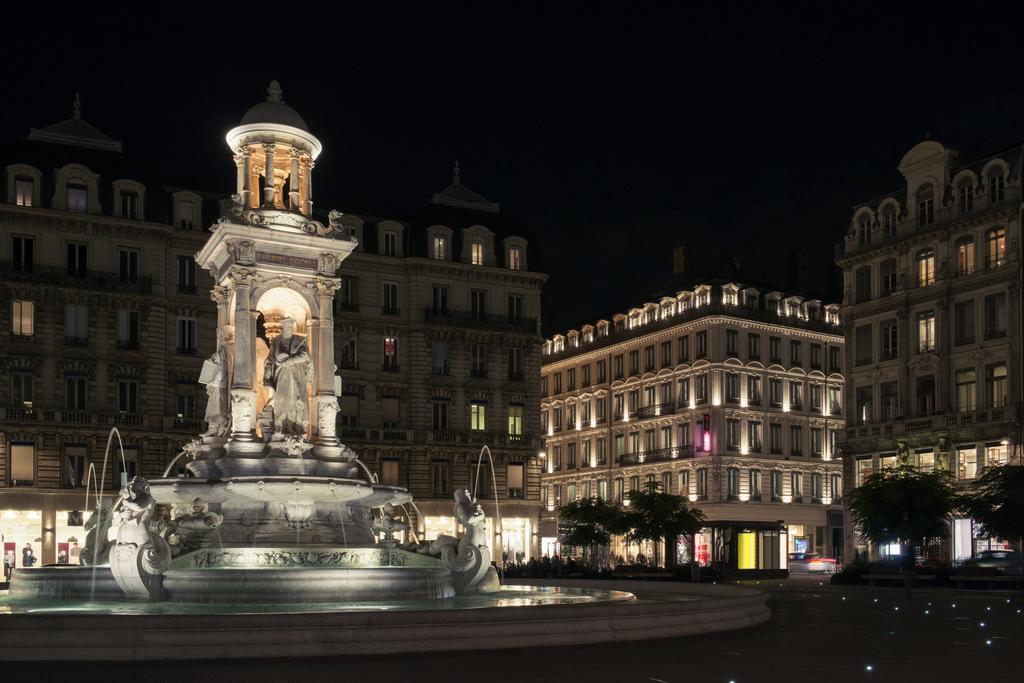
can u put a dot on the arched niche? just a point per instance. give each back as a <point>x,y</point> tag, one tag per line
<point>277,303</point>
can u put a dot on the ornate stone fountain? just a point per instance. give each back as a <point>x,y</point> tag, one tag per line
<point>271,487</point>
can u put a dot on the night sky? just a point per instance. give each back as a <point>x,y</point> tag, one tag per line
<point>614,134</point>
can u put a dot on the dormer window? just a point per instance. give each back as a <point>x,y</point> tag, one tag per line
<point>439,248</point>
<point>889,221</point>
<point>476,254</point>
<point>865,231</point>
<point>925,205</point>
<point>23,191</point>
<point>965,197</point>
<point>390,244</point>
<point>793,309</point>
<point>129,204</point>
<point>996,187</point>
<point>515,258</point>
<point>187,215</point>
<point>729,297</point>
<point>77,197</point>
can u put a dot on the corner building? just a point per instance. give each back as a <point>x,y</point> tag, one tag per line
<point>727,393</point>
<point>931,301</point>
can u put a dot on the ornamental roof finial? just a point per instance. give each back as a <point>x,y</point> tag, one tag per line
<point>455,172</point>
<point>76,107</point>
<point>274,92</point>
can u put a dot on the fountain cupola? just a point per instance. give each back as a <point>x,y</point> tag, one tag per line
<point>274,154</point>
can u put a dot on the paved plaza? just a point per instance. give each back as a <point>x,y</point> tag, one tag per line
<point>817,633</point>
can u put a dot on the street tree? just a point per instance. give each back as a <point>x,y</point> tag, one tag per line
<point>904,505</point>
<point>590,524</point>
<point>653,515</point>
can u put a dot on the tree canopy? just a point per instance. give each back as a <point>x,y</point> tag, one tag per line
<point>653,515</point>
<point>903,504</point>
<point>590,522</point>
<point>996,502</point>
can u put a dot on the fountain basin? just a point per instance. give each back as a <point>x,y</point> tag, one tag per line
<point>277,489</point>
<point>547,614</point>
<point>65,582</point>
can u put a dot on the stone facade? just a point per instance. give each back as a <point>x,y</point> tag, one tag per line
<point>932,308</point>
<point>726,393</point>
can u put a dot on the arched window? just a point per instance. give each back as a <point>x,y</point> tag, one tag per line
<point>864,230</point>
<point>996,186</point>
<point>926,205</point>
<point>965,196</point>
<point>965,255</point>
<point>889,221</point>
<point>925,267</point>
<point>996,240</point>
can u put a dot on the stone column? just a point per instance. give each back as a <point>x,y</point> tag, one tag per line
<point>293,182</point>
<point>268,175</point>
<point>308,186</point>
<point>253,196</point>
<point>327,443</point>
<point>244,174</point>
<point>243,394</point>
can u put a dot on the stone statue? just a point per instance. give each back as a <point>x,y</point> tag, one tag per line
<point>96,549</point>
<point>469,559</point>
<point>389,524</point>
<point>288,372</point>
<point>215,376</point>
<point>138,557</point>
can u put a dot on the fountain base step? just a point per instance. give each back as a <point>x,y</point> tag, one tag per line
<point>305,585</point>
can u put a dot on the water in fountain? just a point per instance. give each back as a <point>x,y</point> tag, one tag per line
<point>99,529</point>
<point>497,507</point>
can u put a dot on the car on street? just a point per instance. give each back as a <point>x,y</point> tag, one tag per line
<point>811,563</point>
<point>1007,561</point>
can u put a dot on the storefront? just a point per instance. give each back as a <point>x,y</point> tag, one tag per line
<point>744,549</point>
<point>514,539</point>
<point>70,531</point>
<point>968,543</point>
<point>21,532</point>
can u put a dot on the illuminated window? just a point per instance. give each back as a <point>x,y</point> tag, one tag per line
<point>440,248</point>
<point>965,256</point>
<point>966,463</point>
<point>925,267</point>
<point>23,191</point>
<point>477,253</point>
<point>515,421</point>
<point>996,240</point>
<point>926,331</point>
<point>996,379</point>
<point>514,477</point>
<point>22,318</point>
<point>515,258</point>
<point>478,417</point>
<point>390,353</point>
<point>864,470</point>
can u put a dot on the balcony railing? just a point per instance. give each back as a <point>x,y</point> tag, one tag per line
<point>659,455</point>
<point>655,410</point>
<point>59,276</point>
<point>469,319</point>
<point>900,425</point>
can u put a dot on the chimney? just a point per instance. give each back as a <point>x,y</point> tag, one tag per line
<point>679,261</point>
<point>796,272</point>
